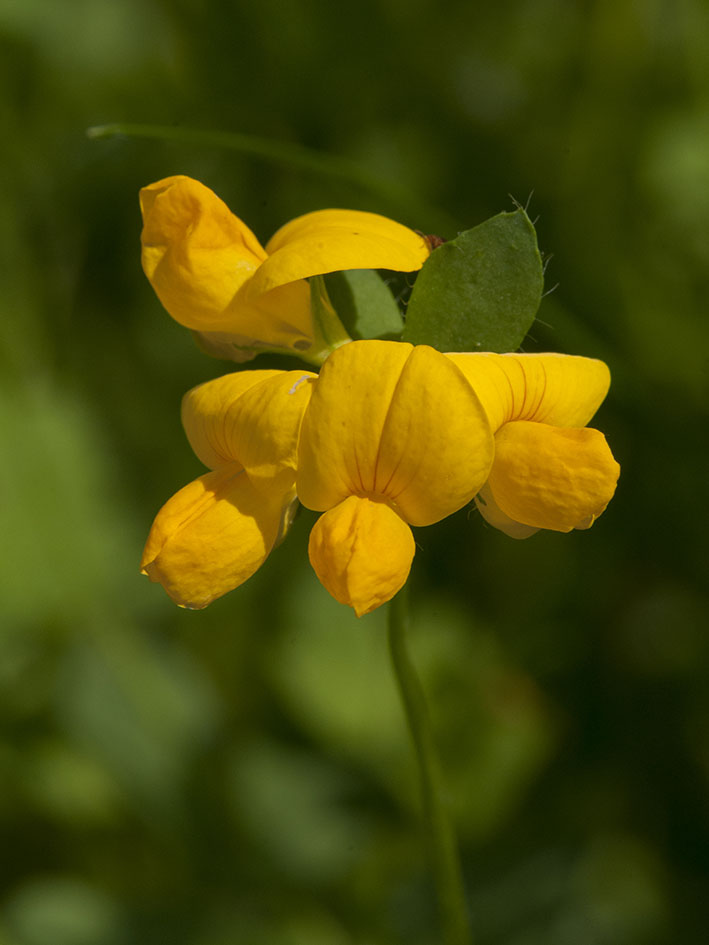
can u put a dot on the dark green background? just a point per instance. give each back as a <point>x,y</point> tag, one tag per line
<point>241,775</point>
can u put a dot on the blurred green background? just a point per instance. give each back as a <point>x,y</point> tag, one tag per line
<point>242,774</point>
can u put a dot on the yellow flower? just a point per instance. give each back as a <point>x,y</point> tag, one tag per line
<point>213,276</point>
<point>217,531</point>
<point>550,470</point>
<point>393,436</point>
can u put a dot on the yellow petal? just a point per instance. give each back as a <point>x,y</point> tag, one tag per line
<point>263,428</point>
<point>436,446</point>
<point>559,389</point>
<point>281,318</point>
<point>341,432</point>
<point>361,551</point>
<point>332,240</point>
<point>390,420</point>
<point>552,477</point>
<point>493,515</point>
<point>212,536</point>
<point>205,409</point>
<point>196,253</point>
<point>250,417</point>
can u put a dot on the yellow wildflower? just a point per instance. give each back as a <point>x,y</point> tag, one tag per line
<point>550,470</point>
<point>393,436</point>
<point>388,436</point>
<point>217,531</point>
<point>213,276</point>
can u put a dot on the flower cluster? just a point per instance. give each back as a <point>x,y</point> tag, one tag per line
<point>387,436</point>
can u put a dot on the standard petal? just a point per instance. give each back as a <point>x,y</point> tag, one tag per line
<point>552,477</point>
<point>212,536</point>
<point>342,428</point>
<point>205,412</point>
<point>436,446</point>
<point>361,551</point>
<point>387,419</point>
<point>559,389</point>
<point>196,253</point>
<point>333,240</point>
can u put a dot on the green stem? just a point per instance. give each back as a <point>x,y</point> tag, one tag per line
<point>443,852</point>
<point>328,331</point>
<point>289,155</point>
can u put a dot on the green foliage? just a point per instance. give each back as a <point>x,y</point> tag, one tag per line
<point>364,304</point>
<point>480,291</point>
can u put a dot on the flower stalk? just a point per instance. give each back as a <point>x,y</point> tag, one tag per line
<point>328,331</point>
<point>443,852</point>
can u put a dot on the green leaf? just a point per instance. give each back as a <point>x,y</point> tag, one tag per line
<point>481,291</point>
<point>364,304</point>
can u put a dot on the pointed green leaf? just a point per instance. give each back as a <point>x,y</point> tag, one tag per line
<point>480,291</point>
<point>364,304</point>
